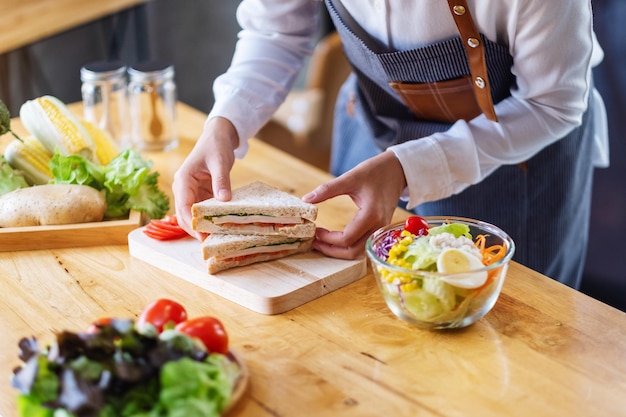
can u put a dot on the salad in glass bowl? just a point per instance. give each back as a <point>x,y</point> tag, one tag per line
<point>440,272</point>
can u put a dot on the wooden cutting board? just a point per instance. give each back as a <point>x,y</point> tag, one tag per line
<point>267,287</point>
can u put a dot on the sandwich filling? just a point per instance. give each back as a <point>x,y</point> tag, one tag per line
<point>257,250</point>
<point>245,219</point>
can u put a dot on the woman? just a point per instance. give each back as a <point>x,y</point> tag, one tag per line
<point>484,109</point>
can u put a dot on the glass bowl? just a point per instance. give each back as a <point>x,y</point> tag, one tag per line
<point>436,300</point>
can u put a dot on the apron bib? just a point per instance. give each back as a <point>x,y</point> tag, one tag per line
<point>544,207</point>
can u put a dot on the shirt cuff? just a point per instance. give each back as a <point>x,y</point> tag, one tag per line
<point>425,169</point>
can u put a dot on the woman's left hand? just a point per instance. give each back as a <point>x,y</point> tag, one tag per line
<point>375,186</point>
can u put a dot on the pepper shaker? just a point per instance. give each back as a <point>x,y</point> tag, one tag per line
<point>152,97</point>
<point>105,100</point>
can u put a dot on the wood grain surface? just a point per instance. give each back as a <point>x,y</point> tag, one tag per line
<point>107,232</point>
<point>544,349</point>
<point>271,287</point>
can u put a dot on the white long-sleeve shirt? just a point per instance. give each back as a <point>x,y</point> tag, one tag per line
<point>553,48</point>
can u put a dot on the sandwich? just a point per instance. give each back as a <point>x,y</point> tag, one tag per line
<point>230,251</point>
<point>256,209</point>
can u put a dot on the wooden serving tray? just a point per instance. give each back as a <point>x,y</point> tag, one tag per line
<point>266,287</point>
<point>107,232</point>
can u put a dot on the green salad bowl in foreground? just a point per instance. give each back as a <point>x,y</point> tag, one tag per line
<point>420,292</point>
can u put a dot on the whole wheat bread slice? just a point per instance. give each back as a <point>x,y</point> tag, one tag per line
<point>258,199</point>
<point>230,251</point>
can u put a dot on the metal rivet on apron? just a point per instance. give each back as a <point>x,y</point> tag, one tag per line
<point>473,42</point>
<point>480,82</point>
<point>458,10</point>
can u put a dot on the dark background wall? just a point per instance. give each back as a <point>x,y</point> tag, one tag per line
<point>198,37</point>
<point>605,272</point>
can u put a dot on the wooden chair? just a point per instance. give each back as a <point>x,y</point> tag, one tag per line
<point>303,125</point>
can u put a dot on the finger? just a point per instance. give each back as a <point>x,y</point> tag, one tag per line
<point>362,225</point>
<point>333,188</point>
<point>183,202</point>
<point>341,252</point>
<point>189,189</point>
<point>221,185</point>
<point>220,164</point>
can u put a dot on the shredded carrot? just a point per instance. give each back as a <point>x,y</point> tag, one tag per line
<point>491,254</point>
<point>480,242</point>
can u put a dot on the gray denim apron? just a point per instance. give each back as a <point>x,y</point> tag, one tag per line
<point>545,207</point>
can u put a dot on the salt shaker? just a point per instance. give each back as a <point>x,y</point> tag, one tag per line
<point>105,100</point>
<point>152,98</point>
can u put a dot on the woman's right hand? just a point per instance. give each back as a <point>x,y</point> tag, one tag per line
<point>205,173</point>
<point>375,186</point>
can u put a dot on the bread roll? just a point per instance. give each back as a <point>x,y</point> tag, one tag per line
<point>51,204</point>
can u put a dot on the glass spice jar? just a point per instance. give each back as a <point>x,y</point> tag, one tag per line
<point>105,100</point>
<point>152,98</point>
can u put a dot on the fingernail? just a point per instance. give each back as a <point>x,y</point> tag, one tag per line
<point>222,194</point>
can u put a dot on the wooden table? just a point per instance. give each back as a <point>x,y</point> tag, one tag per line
<point>544,350</point>
<point>27,21</point>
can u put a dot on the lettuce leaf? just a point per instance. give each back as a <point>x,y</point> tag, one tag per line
<point>30,406</point>
<point>10,179</point>
<point>421,255</point>
<point>190,387</point>
<point>456,229</point>
<point>126,181</point>
<point>75,169</point>
<point>422,305</point>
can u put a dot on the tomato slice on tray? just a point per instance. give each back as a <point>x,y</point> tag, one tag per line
<point>165,229</point>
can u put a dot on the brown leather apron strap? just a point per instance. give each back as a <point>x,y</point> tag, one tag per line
<point>476,55</point>
<point>444,101</point>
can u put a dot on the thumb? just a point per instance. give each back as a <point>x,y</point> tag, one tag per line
<point>221,188</point>
<point>324,192</point>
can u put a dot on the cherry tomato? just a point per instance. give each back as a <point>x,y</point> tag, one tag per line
<point>98,324</point>
<point>165,229</point>
<point>209,330</point>
<point>161,312</point>
<point>416,225</point>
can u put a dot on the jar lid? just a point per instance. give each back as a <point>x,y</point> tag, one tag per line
<point>102,71</point>
<point>151,71</point>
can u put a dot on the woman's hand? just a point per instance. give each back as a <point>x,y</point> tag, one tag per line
<point>375,187</point>
<point>205,173</point>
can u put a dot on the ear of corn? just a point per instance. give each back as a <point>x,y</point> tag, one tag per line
<point>51,122</point>
<point>106,149</point>
<point>30,157</point>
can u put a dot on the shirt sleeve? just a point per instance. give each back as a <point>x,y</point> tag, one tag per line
<point>552,46</point>
<point>275,39</point>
